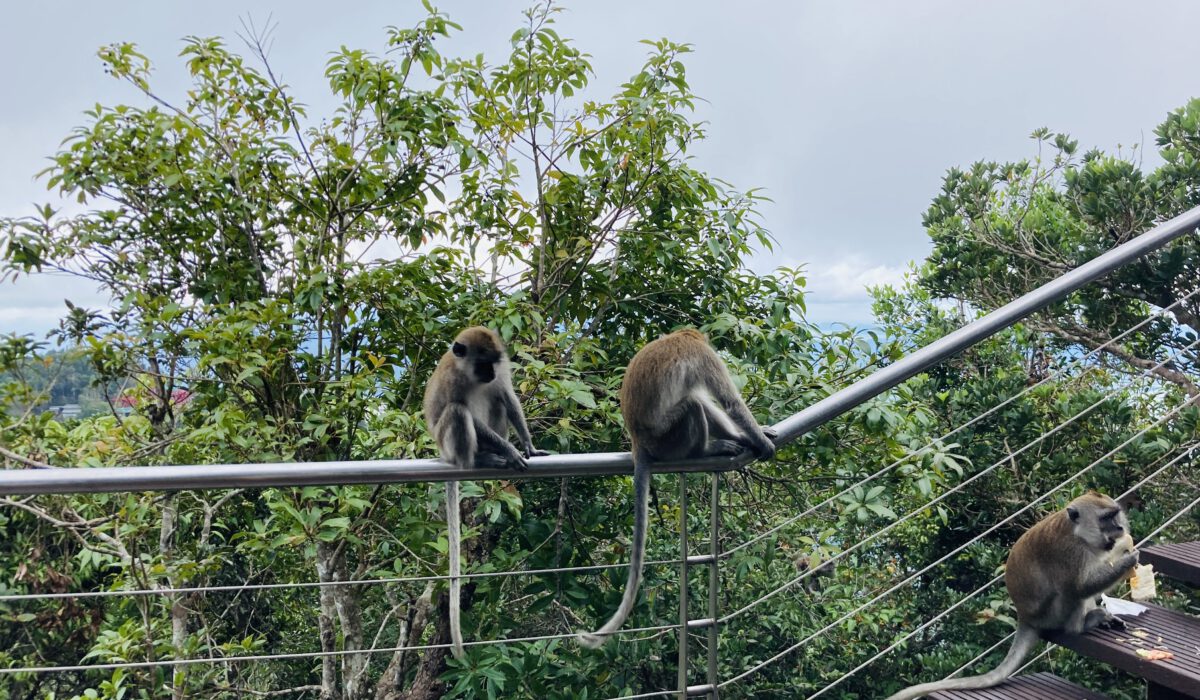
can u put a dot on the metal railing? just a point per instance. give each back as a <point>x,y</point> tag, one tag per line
<point>224,476</point>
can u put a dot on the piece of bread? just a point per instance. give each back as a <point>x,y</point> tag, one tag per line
<point>1141,584</point>
<point>1120,549</point>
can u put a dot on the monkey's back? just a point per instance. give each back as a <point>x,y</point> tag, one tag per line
<point>440,390</point>
<point>658,377</point>
<point>1039,565</point>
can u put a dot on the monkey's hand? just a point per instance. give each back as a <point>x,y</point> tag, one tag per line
<point>766,450</point>
<point>531,451</point>
<point>1127,562</point>
<point>516,460</point>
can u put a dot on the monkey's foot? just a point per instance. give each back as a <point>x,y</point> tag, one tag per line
<point>1113,623</point>
<point>770,432</point>
<point>490,460</point>
<point>725,448</point>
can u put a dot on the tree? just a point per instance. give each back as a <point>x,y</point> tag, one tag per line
<point>1083,379</point>
<point>1001,229</point>
<point>235,232</point>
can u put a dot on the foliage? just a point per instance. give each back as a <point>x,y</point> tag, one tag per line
<point>236,233</point>
<point>299,276</point>
<point>1000,229</point>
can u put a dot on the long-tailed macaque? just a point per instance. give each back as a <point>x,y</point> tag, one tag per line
<point>678,402</point>
<point>1054,574</point>
<point>469,406</point>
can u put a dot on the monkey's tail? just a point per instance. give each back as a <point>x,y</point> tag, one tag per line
<point>454,549</point>
<point>641,514</point>
<point>1027,639</point>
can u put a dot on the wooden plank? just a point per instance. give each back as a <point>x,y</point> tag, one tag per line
<point>1036,686</point>
<point>1180,561</point>
<point>1164,629</point>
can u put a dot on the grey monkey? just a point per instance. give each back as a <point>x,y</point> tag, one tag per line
<point>678,402</point>
<point>469,406</point>
<point>1054,574</point>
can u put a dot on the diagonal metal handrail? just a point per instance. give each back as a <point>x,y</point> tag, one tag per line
<point>1055,290</point>
<point>173,478</point>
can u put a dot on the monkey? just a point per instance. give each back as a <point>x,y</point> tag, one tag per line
<point>1131,501</point>
<point>1054,574</point>
<point>678,402</point>
<point>469,406</point>
<point>812,584</point>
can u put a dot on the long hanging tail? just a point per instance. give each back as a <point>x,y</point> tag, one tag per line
<point>641,514</point>
<point>1027,638</point>
<point>454,548</point>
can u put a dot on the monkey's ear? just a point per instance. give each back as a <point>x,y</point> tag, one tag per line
<point>459,350</point>
<point>1073,512</point>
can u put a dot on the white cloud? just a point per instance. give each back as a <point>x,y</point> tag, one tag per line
<point>34,303</point>
<point>847,279</point>
<point>837,289</point>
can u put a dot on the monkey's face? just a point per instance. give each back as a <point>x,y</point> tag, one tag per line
<point>479,362</point>
<point>485,371</point>
<point>1101,524</point>
<point>1115,527</point>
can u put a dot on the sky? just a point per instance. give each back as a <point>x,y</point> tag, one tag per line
<point>846,113</point>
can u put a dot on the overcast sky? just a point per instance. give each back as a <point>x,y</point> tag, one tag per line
<point>847,113</point>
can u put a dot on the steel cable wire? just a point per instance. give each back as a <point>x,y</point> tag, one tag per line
<point>958,487</point>
<point>945,557</point>
<point>1054,375</point>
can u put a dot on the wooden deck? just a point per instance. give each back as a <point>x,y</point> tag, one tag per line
<point>1162,629</point>
<point>1036,686</point>
<point>1179,561</point>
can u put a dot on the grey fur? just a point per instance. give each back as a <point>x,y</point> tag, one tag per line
<point>1055,572</point>
<point>678,402</point>
<point>469,406</point>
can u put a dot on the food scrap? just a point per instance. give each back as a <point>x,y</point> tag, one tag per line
<point>1155,654</point>
<point>1141,584</point>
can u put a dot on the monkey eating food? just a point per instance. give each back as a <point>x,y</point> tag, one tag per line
<point>1054,574</point>
<point>469,406</point>
<point>678,402</point>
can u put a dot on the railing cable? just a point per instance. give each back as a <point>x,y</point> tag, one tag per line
<point>947,556</point>
<point>319,584</point>
<point>924,626</point>
<point>949,492</point>
<point>1170,521</point>
<point>307,654</point>
<point>1052,376</point>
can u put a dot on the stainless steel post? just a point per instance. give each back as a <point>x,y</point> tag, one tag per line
<point>683,588</point>
<point>714,577</point>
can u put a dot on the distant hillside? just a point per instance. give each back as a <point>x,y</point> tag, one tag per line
<point>64,378</point>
